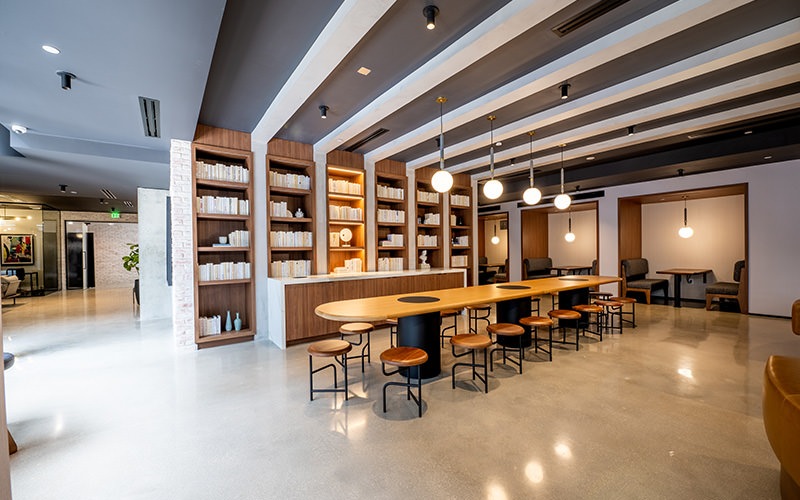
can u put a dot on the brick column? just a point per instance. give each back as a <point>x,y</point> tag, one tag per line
<point>180,190</point>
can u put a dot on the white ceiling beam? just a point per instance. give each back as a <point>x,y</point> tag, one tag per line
<point>515,18</point>
<point>349,24</point>
<point>659,25</point>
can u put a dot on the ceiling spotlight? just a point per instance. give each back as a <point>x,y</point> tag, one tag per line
<point>66,79</point>
<point>631,130</point>
<point>63,188</point>
<point>51,49</point>
<point>430,12</point>
<point>18,129</point>
<point>565,90</point>
<point>323,111</point>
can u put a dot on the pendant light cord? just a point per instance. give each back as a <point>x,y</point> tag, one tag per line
<point>441,132</point>
<point>562,169</point>
<point>491,144</point>
<point>530,153</point>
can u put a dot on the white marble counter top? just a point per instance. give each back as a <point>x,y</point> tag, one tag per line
<point>322,278</point>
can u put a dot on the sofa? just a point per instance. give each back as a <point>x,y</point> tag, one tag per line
<point>634,279</point>
<point>9,286</point>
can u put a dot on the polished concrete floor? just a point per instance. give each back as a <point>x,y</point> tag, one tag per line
<point>103,406</point>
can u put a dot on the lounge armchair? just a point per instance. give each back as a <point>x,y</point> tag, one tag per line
<point>9,286</point>
<point>538,267</point>
<point>502,274</point>
<point>736,290</point>
<point>634,279</point>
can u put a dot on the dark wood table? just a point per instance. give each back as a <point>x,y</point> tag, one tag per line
<point>418,313</point>
<point>560,270</point>
<point>678,273</point>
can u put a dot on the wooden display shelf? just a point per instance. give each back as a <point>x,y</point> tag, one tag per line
<point>345,196</point>
<point>460,247</point>
<point>437,247</point>
<point>347,249</point>
<point>222,282</point>
<point>390,200</point>
<point>463,207</point>
<point>289,191</point>
<point>291,219</point>
<point>345,222</point>
<point>429,225</point>
<point>291,249</point>
<point>242,334</point>
<point>392,224</point>
<point>428,203</point>
<point>461,227</point>
<point>223,217</point>
<point>238,186</point>
<point>391,248</point>
<point>222,249</point>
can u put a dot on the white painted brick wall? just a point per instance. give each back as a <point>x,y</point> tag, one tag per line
<point>180,191</point>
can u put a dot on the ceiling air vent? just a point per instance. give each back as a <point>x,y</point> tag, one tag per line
<point>585,17</point>
<point>128,203</point>
<point>151,116</point>
<point>366,139</point>
<point>108,194</point>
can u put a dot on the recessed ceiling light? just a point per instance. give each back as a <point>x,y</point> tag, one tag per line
<point>768,157</point>
<point>50,49</point>
<point>748,132</point>
<point>363,70</point>
<point>590,157</point>
<point>498,143</point>
<point>73,192</point>
<point>18,129</point>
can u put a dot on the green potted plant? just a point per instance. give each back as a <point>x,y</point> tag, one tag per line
<point>131,263</point>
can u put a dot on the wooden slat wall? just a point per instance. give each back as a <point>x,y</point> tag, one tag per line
<point>391,167</point>
<point>303,325</point>
<point>535,242</point>
<point>214,136</point>
<point>345,159</point>
<point>630,229</point>
<point>291,149</point>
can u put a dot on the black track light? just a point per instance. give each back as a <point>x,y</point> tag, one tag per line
<point>323,111</point>
<point>66,79</point>
<point>430,12</point>
<point>631,130</point>
<point>63,188</point>
<point>565,90</point>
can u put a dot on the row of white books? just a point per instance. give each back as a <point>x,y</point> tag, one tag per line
<point>224,271</point>
<point>427,196</point>
<point>222,172</point>
<point>392,240</point>
<point>390,264</point>
<point>210,325</point>
<point>295,181</point>
<point>222,205</point>
<point>385,215</point>
<point>354,265</point>
<point>458,261</point>
<point>427,240</point>
<point>239,238</point>
<point>391,192</point>
<point>431,219</point>
<point>291,239</point>
<point>290,268</point>
<point>342,186</point>
<point>461,200</point>
<point>280,209</point>
<point>345,212</point>
<point>461,241</point>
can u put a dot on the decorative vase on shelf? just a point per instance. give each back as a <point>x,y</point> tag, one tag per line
<point>228,322</point>
<point>237,323</point>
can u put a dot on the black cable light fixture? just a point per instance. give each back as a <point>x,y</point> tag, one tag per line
<point>323,112</point>
<point>442,180</point>
<point>686,231</point>
<point>631,130</point>
<point>532,195</point>
<point>565,90</point>
<point>570,236</point>
<point>430,12</point>
<point>66,79</point>
<point>495,239</point>
<point>494,188</point>
<point>563,200</point>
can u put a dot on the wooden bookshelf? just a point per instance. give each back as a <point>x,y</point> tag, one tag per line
<point>391,202</point>
<point>290,209</point>
<point>428,201</point>
<point>217,175</point>
<point>461,224</point>
<point>346,210</point>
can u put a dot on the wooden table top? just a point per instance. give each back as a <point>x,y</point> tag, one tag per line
<point>381,308</point>
<point>684,270</point>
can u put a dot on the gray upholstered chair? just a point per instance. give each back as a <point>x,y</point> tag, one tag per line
<point>538,267</point>
<point>9,286</point>
<point>736,290</point>
<point>634,279</point>
<point>502,274</point>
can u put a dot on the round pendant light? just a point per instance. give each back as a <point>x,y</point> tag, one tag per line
<point>495,239</point>
<point>562,201</point>
<point>532,195</point>
<point>570,236</point>
<point>686,231</point>
<point>442,180</point>
<point>494,188</point>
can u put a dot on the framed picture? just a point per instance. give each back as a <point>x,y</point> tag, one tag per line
<point>17,249</point>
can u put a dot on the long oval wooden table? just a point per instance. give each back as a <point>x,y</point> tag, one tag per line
<point>418,313</point>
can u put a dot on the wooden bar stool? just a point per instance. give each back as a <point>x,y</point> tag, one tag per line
<point>472,342</point>
<point>590,309</point>
<point>600,295</point>
<point>392,322</point>
<point>535,322</point>
<point>504,332</point>
<point>449,313</point>
<point>360,329</point>
<point>328,349</point>
<point>611,308</point>
<point>408,358</point>
<point>632,313</point>
<point>478,312</point>
<point>567,315</point>
<point>536,302</point>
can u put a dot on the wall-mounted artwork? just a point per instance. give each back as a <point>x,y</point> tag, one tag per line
<point>17,249</point>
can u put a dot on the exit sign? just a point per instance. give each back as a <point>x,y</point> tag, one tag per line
<point>114,214</point>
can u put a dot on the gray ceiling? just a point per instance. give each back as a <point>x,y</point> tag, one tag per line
<point>708,85</point>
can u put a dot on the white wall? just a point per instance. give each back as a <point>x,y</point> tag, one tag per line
<point>155,295</point>
<point>774,228</point>
<point>580,252</point>
<point>110,245</point>
<point>717,243</point>
<point>495,254</point>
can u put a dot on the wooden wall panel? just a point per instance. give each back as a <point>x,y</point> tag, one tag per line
<point>630,229</point>
<point>290,149</point>
<point>462,180</point>
<point>534,237</point>
<point>424,174</point>
<point>391,167</point>
<point>214,136</point>
<point>303,325</point>
<point>345,159</point>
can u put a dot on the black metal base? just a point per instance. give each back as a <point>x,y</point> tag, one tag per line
<point>312,371</point>
<point>563,329</point>
<point>366,351</point>
<point>483,378</point>
<point>549,350</point>
<point>510,311</point>
<point>407,384</point>
<point>520,348</point>
<point>473,318</point>
<point>422,331</point>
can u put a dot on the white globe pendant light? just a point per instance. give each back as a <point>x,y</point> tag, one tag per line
<point>562,201</point>
<point>532,195</point>
<point>442,180</point>
<point>686,231</point>
<point>570,236</point>
<point>494,188</point>
<point>495,239</point>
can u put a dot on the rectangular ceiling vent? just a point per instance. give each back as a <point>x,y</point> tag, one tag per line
<point>583,18</point>
<point>108,194</point>
<point>128,203</point>
<point>366,139</point>
<point>151,116</point>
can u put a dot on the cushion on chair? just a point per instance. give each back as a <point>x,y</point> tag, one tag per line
<point>737,270</point>
<point>723,288</point>
<point>648,284</point>
<point>635,268</point>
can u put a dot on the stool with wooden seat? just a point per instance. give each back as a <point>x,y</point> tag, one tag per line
<point>360,329</point>
<point>328,349</point>
<point>600,295</point>
<point>472,342</point>
<point>504,332</point>
<point>566,315</point>
<point>449,313</point>
<point>632,313</point>
<point>392,322</point>
<point>540,321</point>
<point>408,358</point>
<point>478,312</point>
<point>535,303</point>
<point>611,308</point>
<point>590,309</point>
